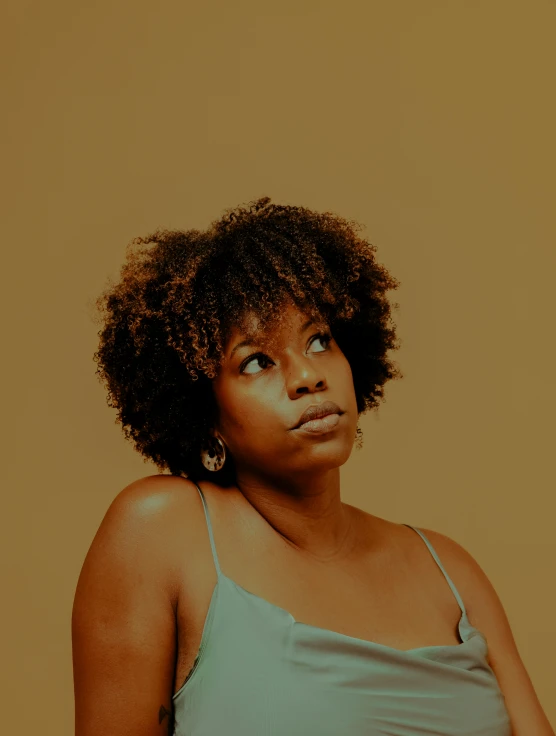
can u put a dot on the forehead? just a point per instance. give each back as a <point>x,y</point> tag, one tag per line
<point>286,320</point>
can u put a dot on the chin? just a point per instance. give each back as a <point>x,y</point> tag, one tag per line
<point>329,456</point>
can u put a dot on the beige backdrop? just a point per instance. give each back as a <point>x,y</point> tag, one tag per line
<point>431,122</point>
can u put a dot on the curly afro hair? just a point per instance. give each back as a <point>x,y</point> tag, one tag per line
<point>166,321</point>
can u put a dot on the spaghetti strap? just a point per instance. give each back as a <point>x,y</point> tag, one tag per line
<point>209,526</point>
<point>441,566</point>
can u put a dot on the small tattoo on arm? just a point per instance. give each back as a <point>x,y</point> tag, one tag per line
<point>162,713</point>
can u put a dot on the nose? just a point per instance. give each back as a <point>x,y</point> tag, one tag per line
<point>305,376</point>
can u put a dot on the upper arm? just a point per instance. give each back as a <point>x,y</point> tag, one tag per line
<point>123,621</point>
<point>487,614</point>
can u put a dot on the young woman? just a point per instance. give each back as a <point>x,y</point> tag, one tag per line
<point>239,594</point>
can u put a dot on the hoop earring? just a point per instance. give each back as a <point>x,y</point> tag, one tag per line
<point>211,459</point>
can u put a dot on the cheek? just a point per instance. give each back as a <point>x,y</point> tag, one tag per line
<point>246,413</point>
<point>344,379</point>
<point>343,372</point>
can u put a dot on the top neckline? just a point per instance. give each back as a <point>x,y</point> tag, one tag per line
<point>463,620</point>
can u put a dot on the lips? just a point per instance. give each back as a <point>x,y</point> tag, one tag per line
<point>317,411</point>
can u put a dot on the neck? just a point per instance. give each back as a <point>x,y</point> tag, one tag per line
<point>307,513</point>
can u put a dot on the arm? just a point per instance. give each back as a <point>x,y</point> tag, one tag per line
<point>486,613</point>
<point>123,621</point>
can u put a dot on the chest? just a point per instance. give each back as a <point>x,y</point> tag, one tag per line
<point>398,597</point>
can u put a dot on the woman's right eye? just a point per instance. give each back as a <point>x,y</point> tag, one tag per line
<point>257,357</point>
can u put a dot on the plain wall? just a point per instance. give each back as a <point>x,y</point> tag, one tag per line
<point>432,123</point>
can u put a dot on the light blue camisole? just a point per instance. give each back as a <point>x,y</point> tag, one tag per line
<point>259,672</point>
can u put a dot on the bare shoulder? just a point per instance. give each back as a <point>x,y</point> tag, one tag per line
<point>483,605</point>
<point>150,516</point>
<point>154,494</point>
<point>153,499</point>
<point>124,610</point>
<point>464,570</point>
<point>486,612</point>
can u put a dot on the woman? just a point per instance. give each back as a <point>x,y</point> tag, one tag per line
<point>239,594</point>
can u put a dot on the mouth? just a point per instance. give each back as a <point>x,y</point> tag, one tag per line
<point>318,411</point>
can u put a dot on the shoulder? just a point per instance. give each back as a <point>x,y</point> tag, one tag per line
<point>153,494</point>
<point>464,570</point>
<point>149,523</point>
<point>457,561</point>
<point>483,606</point>
<point>123,620</point>
<point>154,501</point>
<point>487,614</point>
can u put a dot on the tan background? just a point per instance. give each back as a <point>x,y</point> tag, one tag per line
<point>432,123</point>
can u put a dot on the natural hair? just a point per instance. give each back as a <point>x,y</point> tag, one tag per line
<point>166,321</point>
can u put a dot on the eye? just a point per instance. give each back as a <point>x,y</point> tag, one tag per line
<point>256,357</point>
<point>324,338</point>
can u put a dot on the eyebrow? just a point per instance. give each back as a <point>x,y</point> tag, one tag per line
<point>252,339</point>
